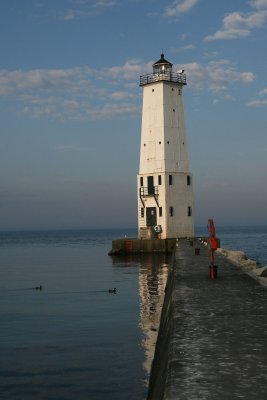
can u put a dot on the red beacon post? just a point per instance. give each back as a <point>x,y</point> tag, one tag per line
<point>213,242</point>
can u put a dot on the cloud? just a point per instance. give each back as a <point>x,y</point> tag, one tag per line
<point>105,3</point>
<point>83,93</point>
<point>131,68</point>
<point>217,76</point>
<point>179,7</point>
<point>53,79</point>
<point>258,4</point>
<point>263,92</point>
<point>122,95</point>
<point>257,103</point>
<point>75,93</point>
<point>111,110</point>
<point>183,48</point>
<point>87,8</point>
<point>237,25</point>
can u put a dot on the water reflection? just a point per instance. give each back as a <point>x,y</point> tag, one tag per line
<point>153,275</point>
<point>152,279</point>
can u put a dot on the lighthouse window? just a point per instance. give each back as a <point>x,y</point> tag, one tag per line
<point>159,179</point>
<point>173,109</point>
<point>188,180</point>
<point>171,211</point>
<point>152,90</point>
<point>142,212</point>
<point>168,142</point>
<point>160,212</point>
<point>189,211</point>
<point>141,181</point>
<point>170,180</point>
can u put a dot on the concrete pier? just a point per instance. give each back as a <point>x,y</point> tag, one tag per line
<point>136,246</point>
<point>212,342</point>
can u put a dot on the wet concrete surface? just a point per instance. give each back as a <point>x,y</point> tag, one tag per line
<point>218,343</point>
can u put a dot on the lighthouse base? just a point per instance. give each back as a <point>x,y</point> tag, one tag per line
<point>138,246</point>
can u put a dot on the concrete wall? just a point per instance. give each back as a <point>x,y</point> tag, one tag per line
<point>157,382</point>
<point>136,246</point>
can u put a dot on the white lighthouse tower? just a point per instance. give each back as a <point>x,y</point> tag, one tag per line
<point>165,194</point>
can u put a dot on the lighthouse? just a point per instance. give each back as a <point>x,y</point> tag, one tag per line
<point>165,191</point>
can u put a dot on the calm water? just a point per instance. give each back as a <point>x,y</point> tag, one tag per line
<point>251,240</point>
<point>74,339</point>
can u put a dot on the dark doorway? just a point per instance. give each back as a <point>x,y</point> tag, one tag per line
<point>151,216</point>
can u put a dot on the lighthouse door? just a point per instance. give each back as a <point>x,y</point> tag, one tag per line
<point>151,216</point>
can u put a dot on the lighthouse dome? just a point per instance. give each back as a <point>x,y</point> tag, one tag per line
<point>162,66</point>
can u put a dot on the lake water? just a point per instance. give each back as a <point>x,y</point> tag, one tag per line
<point>73,339</point>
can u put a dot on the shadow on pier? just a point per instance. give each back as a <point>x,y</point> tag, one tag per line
<point>213,333</point>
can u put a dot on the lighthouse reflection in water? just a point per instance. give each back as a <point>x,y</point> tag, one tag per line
<point>153,275</point>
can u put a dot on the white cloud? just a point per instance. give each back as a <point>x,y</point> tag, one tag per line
<point>105,3</point>
<point>74,93</point>
<point>71,105</point>
<point>82,93</point>
<point>183,48</point>
<point>122,95</point>
<point>263,92</point>
<point>257,103</point>
<point>216,76</point>
<point>130,69</point>
<point>237,25</point>
<point>179,7</point>
<point>258,4</point>
<point>111,110</point>
<point>87,8</point>
<point>45,79</point>
<point>188,47</point>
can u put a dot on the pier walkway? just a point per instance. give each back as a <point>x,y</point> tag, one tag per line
<point>212,343</point>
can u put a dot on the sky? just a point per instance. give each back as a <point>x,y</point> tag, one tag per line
<point>70,107</point>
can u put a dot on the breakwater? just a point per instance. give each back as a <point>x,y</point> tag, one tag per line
<point>213,333</point>
<point>125,246</point>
